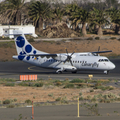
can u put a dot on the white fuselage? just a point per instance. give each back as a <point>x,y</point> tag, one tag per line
<point>80,61</point>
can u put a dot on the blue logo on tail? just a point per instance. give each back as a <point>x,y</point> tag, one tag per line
<point>20,41</point>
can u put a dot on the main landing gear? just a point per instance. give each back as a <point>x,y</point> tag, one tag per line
<point>106,72</point>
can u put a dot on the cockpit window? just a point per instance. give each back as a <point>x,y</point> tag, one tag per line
<point>103,60</point>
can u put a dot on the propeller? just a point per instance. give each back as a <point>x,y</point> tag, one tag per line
<point>98,48</point>
<point>69,57</point>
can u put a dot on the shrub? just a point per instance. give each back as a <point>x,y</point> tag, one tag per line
<point>97,38</point>
<point>28,101</point>
<point>58,99</point>
<point>50,95</point>
<point>112,38</point>
<point>6,102</point>
<point>90,38</point>
<point>92,90</point>
<point>58,83</point>
<point>81,98</point>
<point>93,99</point>
<point>23,84</point>
<point>31,40</point>
<point>15,100</point>
<point>69,86</point>
<point>10,106</point>
<point>77,81</point>
<point>10,84</point>
<point>38,84</point>
<point>80,94</point>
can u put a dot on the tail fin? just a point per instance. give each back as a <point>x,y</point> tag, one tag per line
<point>23,47</point>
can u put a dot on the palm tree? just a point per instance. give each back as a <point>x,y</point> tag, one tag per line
<point>12,10</point>
<point>99,18</point>
<point>38,12</point>
<point>78,15</point>
<point>58,14</point>
<point>115,17</point>
<point>112,3</point>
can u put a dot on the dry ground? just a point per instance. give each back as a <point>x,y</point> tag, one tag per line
<point>45,94</point>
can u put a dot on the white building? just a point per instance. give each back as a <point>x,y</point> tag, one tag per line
<point>6,30</point>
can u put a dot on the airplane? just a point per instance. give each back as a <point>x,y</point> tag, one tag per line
<point>62,62</point>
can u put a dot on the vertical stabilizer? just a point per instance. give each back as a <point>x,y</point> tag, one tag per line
<point>23,47</point>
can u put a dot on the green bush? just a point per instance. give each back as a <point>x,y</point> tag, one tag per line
<point>10,106</point>
<point>28,101</point>
<point>97,38</point>
<point>58,83</point>
<point>6,102</point>
<point>38,84</point>
<point>10,84</point>
<point>15,100</point>
<point>112,38</point>
<point>58,99</point>
<point>90,38</point>
<point>69,86</point>
<point>92,90</point>
<point>23,84</point>
<point>77,81</point>
<point>81,98</point>
<point>31,40</point>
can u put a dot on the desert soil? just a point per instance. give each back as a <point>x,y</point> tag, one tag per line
<point>48,93</point>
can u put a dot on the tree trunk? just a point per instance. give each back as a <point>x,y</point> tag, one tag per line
<point>84,32</point>
<point>116,29</point>
<point>40,26</point>
<point>100,32</point>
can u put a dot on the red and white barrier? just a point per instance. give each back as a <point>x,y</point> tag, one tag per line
<point>28,77</point>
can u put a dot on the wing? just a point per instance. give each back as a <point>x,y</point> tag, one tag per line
<point>97,52</point>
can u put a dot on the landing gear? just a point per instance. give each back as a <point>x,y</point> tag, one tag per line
<point>106,72</point>
<point>59,72</point>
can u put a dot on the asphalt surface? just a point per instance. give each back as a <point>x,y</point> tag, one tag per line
<point>14,69</point>
<point>61,112</point>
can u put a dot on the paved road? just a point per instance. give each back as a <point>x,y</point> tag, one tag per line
<point>110,111</point>
<point>14,69</point>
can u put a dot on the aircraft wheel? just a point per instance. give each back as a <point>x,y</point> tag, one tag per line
<point>106,72</point>
<point>59,72</point>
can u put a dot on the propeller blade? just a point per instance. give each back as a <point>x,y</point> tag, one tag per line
<point>71,62</point>
<point>98,48</point>
<point>72,53</point>
<point>66,51</point>
<point>69,58</point>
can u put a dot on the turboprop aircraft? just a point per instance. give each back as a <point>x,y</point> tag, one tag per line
<point>72,62</point>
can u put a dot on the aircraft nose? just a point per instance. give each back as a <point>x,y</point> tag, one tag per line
<point>112,66</point>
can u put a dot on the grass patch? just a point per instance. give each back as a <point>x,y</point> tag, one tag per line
<point>10,84</point>
<point>77,81</point>
<point>7,44</point>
